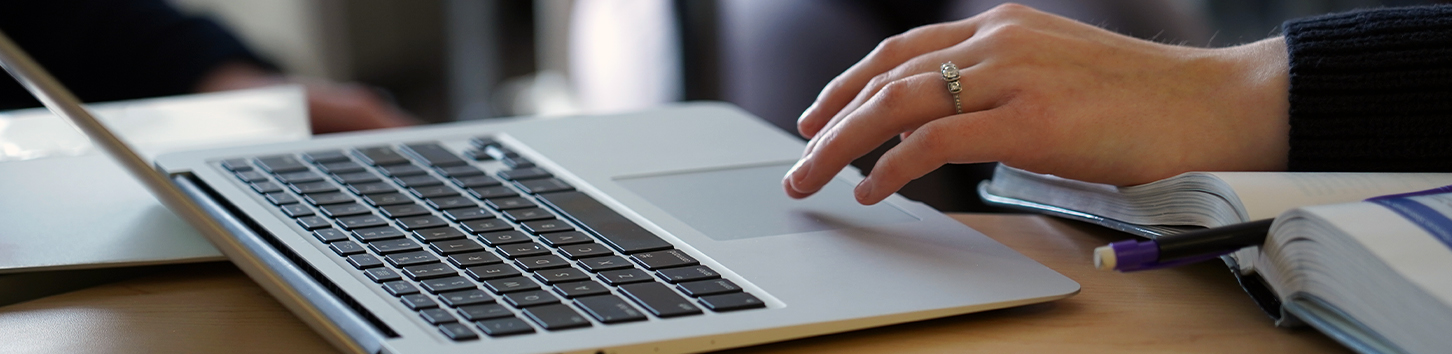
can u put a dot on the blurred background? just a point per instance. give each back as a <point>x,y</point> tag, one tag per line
<point>445,60</point>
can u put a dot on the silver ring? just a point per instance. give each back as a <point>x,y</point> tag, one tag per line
<point>950,74</point>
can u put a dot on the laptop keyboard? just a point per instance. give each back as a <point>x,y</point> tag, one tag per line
<point>485,242</point>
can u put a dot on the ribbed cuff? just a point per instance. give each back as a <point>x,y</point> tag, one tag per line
<point>1371,90</point>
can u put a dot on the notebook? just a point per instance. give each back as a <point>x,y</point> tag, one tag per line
<point>658,231</point>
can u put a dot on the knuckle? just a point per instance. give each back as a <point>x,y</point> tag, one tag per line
<point>1010,9</point>
<point>894,93</point>
<point>892,46</point>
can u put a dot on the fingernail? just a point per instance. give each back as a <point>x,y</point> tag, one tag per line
<point>863,190</point>
<point>807,112</point>
<point>799,172</point>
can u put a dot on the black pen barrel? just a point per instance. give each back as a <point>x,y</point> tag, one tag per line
<point>1220,239</point>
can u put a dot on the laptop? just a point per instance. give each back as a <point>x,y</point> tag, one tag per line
<point>656,231</point>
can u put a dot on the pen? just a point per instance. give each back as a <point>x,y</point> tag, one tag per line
<point>1186,248</point>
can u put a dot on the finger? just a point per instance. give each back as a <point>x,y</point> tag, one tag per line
<point>902,105</point>
<point>967,138</point>
<point>961,54</point>
<point>888,54</point>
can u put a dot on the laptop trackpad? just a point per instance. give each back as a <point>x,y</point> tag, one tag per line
<point>747,202</point>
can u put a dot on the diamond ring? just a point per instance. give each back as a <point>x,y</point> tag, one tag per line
<point>950,74</point>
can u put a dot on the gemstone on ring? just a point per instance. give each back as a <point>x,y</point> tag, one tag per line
<point>951,75</point>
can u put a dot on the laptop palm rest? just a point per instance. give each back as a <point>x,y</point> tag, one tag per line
<point>747,202</point>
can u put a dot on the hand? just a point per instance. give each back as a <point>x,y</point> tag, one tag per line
<point>1049,95</point>
<point>332,107</point>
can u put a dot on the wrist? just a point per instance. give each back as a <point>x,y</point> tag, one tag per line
<point>1258,99</point>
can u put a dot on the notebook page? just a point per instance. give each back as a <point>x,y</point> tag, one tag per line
<point>1267,194</point>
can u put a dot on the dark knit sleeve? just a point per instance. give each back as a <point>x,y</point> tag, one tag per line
<point>106,50</point>
<point>1371,90</point>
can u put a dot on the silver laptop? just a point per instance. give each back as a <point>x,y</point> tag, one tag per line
<point>657,231</point>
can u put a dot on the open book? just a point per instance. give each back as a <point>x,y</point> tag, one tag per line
<point>1373,275</point>
<point>1361,273</point>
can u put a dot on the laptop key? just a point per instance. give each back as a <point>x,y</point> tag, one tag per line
<point>465,260</point>
<point>510,284</point>
<point>731,302</point>
<point>663,259</point>
<point>466,297</point>
<point>438,317</point>
<point>341,210</point>
<point>251,176</point>
<point>541,262</point>
<point>312,187</point>
<point>418,302</point>
<point>562,275</point>
<point>433,155</point>
<point>417,181</point>
<point>475,181</point>
<point>467,213</point>
<point>405,259</point>
<point>546,226</point>
<point>484,312</point>
<point>281,198</point>
<point>437,234</point>
<point>581,288</point>
<point>341,167</point>
<point>455,246</point>
<point>364,261</point>
<point>313,222</point>
<point>530,214</point>
<point>379,155</point>
<point>236,165</point>
<point>458,331</point>
<point>381,274</point>
<point>404,210</point>
<point>442,203</point>
<point>361,221</point>
<point>345,248</point>
<point>529,298</point>
<point>659,299</point>
<point>546,185</point>
<point>524,173</point>
<point>421,222</point>
<point>503,238</point>
<point>625,276</point>
<point>400,288</point>
<point>609,309</point>
<point>517,162</point>
<point>492,271</point>
<point>446,284</point>
<point>402,170</point>
<point>325,156</point>
<point>266,187</point>
<point>356,178</point>
<point>483,142</point>
<point>394,246</point>
<point>299,177</point>
<point>428,271</point>
<point>327,198</point>
<point>458,171</point>
<point>585,250</point>
<point>492,192</point>
<point>477,155</point>
<point>371,188</point>
<point>330,235</point>
<point>377,233</point>
<point>504,327</point>
<point>676,275</point>
<point>509,203</point>
<point>384,199</point>
<point>517,250</point>
<point>615,230</point>
<point>557,239</point>
<point>600,264</point>
<point>280,164</point>
<point>432,191</point>
<point>708,287</point>
<point>296,210</point>
<point>489,225</point>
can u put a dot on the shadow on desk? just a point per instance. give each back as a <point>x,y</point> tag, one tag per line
<point>214,308</point>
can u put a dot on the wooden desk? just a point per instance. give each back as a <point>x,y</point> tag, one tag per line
<point>214,308</point>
